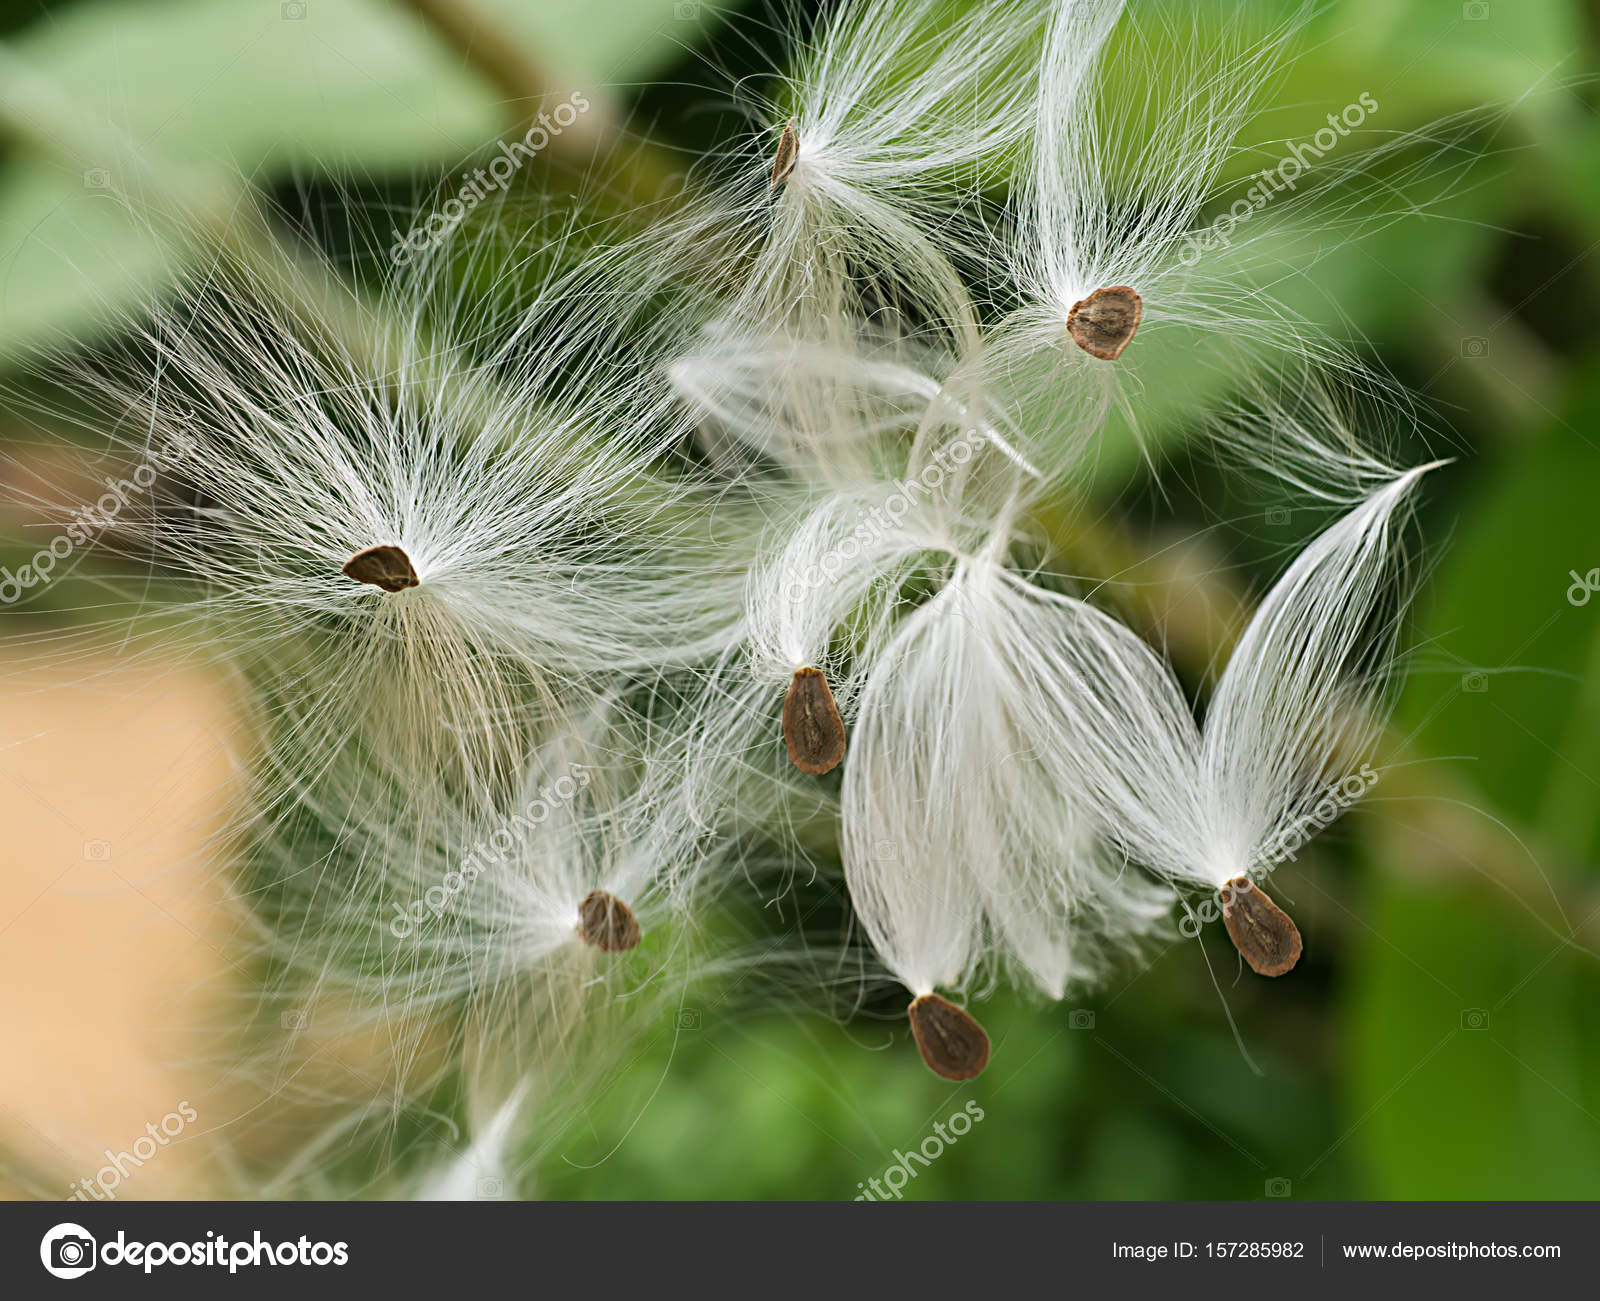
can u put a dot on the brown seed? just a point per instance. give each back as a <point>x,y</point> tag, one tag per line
<point>950,1041</point>
<point>607,923</point>
<point>788,151</point>
<point>812,728</point>
<point>385,567</point>
<point>1262,932</point>
<point>1103,323</point>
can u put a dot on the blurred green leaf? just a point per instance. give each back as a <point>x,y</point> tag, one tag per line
<point>1476,1067</point>
<point>266,89</point>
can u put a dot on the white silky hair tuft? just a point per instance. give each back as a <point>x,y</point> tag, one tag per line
<point>854,196</point>
<point>963,835</point>
<point>882,479</point>
<point>1299,703</point>
<point>517,577</point>
<point>528,476</point>
<point>1121,159</point>
<point>899,109</point>
<point>1136,140</point>
<point>461,880</point>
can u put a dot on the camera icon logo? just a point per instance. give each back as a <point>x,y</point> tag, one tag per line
<point>686,11</point>
<point>295,1020</point>
<point>68,1251</point>
<point>489,1186</point>
<point>1475,11</point>
<point>1476,683</point>
<point>1474,345</point>
<point>1080,1018</point>
<point>97,178</point>
<point>293,11</point>
<point>689,1018</point>
<point>886,851</point>
<point>1475,1018</point>
<point>1279,1188</point>
<point>97,851</point>
<point>1277,516</point>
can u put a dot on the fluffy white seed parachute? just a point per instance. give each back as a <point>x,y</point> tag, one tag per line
<point>532,597</point>
<point>871,405</point>
<point>832,415</point>
<point>507,949</point>
<point>427,520</point>
<point>1133,301</point>
<point>963,835</point>
<point>851,197</point>
<point>466,883</point>
<point>1297,707</point>
<point>813,606</point>
<point>885,476</point>
<point>889,111</point>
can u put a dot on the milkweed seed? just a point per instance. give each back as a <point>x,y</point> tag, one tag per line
<point>1103,323</point>
<point>788,151</point>
<point>812,728</point>
<point>1262,932</point>
<point>607,923</point>
<point>386,567</point>
<point>950,1041</point>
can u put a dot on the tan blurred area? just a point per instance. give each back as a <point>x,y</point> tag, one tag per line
<point>130,997</point>
<point>114,933</point>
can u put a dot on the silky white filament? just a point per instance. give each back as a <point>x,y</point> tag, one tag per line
<point>1300,697</point>
<point>963,836</point>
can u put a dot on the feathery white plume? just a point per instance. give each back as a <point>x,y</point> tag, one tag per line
<point>533,598</point>
<point>1300,701</point>
<point>1137,118</point>
<point>963,834</point>
<point>847,203</point>
<point>426,539</point>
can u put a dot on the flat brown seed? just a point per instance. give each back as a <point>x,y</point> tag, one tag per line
<point>385,567</point>
<point>788,151</point>
<point>812,728</point>
<point>607,923</point>
<point>1103,323</point>
<point>950,1041</point>
<point>1262,932</point>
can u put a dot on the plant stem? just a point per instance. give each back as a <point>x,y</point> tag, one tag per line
<point>637,173</point>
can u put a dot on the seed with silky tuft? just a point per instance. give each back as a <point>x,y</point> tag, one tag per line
<point>788,151</point>
<point>812,728</point>
<point>1103,323</point>
<point>386,567</point>
<point>950,1041</point>
<point>1263,933</point>
<point>607,923</point>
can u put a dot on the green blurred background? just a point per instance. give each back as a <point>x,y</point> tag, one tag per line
<point>1441,1038</point>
